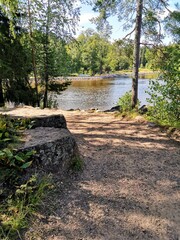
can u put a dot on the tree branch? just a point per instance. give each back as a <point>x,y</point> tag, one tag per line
<point>162,1</point>
<point>129,34</point>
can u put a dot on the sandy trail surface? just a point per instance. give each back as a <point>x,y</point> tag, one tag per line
<point>129,187</point>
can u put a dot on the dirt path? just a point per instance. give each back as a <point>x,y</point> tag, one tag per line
<point>129,188</point>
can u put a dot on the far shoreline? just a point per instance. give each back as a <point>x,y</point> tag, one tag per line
<point>81,77</point>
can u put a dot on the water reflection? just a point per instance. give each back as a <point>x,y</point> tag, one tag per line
<point>101,94</point>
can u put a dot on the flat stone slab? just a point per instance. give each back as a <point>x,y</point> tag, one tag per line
<point>56,121</point>
<point>40,117</point>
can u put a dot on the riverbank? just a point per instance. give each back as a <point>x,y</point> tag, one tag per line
<point>121,74</point>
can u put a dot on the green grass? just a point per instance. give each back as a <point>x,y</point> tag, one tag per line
<point>76,164</point>
<point>16,209</point>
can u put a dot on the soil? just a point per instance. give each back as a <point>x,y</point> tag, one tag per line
<point>129,187</point>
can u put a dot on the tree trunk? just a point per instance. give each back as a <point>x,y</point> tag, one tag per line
<point>136,54</point>
<point>46,58</point>
<point>101,67</point>
<point>46,76</point>
<point>1,95</point>
<point>33,53</point>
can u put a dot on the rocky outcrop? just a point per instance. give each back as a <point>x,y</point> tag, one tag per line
<point>55,147</point>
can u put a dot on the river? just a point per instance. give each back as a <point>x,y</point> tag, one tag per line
<point>102,93</point>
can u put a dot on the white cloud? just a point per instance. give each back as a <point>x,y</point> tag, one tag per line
<point>86,16</point>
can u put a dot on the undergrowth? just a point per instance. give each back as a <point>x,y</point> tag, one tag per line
<point>76,164</point>
<point>21,191</point>
<point>126,110</point>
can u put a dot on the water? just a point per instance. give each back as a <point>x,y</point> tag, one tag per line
<point>101,94</point>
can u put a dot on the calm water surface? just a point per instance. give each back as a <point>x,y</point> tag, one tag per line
<point>101,94</point>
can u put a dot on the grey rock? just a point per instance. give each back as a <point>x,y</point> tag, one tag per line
<point>54,148</point>
<point>143,109</point>
<point>114,109</point>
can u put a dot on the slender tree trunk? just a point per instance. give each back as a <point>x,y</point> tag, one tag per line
<point>1,94</point>
<point>101,67</point>
<point>33,53</point>
<point>46,59</point>
<point>46,76</point>
<point>136,55</point>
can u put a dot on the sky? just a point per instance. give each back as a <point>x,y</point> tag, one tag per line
<point>117,33</point>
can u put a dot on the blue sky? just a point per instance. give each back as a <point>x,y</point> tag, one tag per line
<point>117,32</point>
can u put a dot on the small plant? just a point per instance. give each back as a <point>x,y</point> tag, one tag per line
<point>125,102</point>
<point>77,164</point>
<point>22,204</point>
<point>52,101</point>
<point>10,129</point>
<point>8,134</point>
<point>12,164</point>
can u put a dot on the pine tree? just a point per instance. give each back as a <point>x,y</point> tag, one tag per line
<point>142,17</point>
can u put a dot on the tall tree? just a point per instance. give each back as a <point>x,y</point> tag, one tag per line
<point>14,63</point>
<point>53,18</point>
<point>136,58</point>
<point>120,55</point>
<point>93,52</point>
<point>33,49</point>
<point>142,17</point>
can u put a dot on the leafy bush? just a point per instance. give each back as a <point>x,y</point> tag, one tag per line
<point>164,95</point>
<point>125,102</point>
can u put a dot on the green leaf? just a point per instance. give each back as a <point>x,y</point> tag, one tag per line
<point>8,153</point>
<point>6,139</point>
<point>6,134</point>
<point>2,153</point>
<point>18,158</point>
<point>30,153</point>
<point>26,165</point>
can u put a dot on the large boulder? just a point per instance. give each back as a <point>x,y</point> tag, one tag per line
<point>54,145</point>
<point>54,148</point>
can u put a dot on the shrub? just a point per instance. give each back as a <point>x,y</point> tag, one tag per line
<point>164,96</point>
<point>125,102</point>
